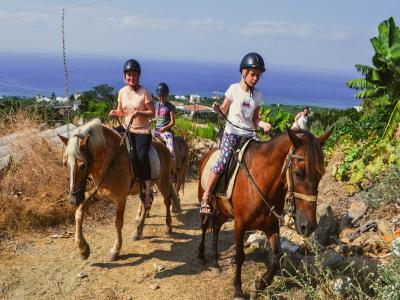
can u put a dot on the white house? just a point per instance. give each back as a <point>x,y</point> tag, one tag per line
<point>61,99</point>
<point>177,97</point>
<point>42,99</point>
<point>194,98</point>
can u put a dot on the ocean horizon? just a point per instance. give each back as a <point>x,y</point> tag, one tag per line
<point>28,75</point>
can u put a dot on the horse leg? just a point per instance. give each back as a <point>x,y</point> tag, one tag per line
<point>217,223</point>
<point>274,240</point>
<point>167,203</point>
<point>119,223</point>
<point>138,214</point>
<point>239,257</point>
<point>139,222</point>
<point>83,246</point>
<point>204,226</point>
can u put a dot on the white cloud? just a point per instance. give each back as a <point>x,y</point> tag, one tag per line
<point>22,17</point>
<point>148,23</point>
<point>208,25</point>
<point>302,31</point>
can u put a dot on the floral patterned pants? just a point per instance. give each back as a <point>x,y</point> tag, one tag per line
<point>230,142</point>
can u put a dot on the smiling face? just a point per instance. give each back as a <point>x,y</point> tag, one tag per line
<point>251,76</point>
<point>131,78</point>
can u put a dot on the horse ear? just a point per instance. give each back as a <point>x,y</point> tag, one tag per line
<point>293,138</point>
<point>63,139</point>
<point>323,138</point>
<point>84,141</point>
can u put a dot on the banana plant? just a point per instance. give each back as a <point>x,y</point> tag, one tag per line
<point>393,123</point>
<point>381,82</point>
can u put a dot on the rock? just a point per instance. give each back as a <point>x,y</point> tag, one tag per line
<point>289,247</point>
<point>81,275</point>
<point>384,227</point>
<point>154,286</point>
<point>129,298</point>
<point>327,228</point>
<point>158,267</point>
<point>357,211</point>
<point>332,260</point>
<point>256,240</point>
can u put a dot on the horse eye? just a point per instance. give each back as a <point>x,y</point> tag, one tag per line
<point>82,167</point>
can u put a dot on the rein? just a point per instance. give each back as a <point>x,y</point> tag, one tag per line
<point>291,194</point>
<point>83,186</point>
<point>230,122</point>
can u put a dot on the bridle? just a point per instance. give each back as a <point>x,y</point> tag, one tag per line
<point>291,195</point>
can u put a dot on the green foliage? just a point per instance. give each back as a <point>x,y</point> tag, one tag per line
<point>280,121</point>
<point>393,122</point>
<point>387,285</point>
<point>97,109</point>
<point>385,189</point>
<point>186,127</point>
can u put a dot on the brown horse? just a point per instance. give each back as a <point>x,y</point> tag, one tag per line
<point>181,149</point>
<point>290,164</point>
<point>94,154</point>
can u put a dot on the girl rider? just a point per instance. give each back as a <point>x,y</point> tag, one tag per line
<point>242,103</point>
<point>135,102</point>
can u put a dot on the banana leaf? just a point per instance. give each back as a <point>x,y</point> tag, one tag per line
<point>393,122</point>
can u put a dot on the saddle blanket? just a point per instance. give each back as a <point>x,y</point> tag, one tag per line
<point>155,164</point>
<point>210,165</point>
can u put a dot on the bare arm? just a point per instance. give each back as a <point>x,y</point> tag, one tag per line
<point>149,107</point>
<point>171,123</point>
<point>224,107</point>
<point>258,122</point>
<point>119,112</point>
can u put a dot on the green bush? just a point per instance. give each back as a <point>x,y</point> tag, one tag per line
<point>186,127</point>
<point>387,285</point>
<point>385,189</point>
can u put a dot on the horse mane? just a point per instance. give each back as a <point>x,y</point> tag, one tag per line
<point>312,150</point>
<point>94,129</point>
<point>313,153</point>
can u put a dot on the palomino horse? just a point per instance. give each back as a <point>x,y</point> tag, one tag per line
<point>292,165</point>
<point>94,154</point>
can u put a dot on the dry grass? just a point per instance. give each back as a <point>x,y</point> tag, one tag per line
<point>34,187</point>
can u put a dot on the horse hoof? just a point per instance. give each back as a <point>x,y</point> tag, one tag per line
<point>86,252</point>
<point>114,256</point>
<point>136,237</point>
<point>239,298</point>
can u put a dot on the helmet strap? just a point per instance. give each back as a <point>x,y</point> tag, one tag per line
<point>251,88</point>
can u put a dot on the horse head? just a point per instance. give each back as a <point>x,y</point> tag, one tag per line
<point>304,170</point>
<point>77,159</point>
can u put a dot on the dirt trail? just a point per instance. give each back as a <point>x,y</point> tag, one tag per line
<point>46,266</point>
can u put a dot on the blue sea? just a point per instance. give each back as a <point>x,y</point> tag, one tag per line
<point>28,75</point>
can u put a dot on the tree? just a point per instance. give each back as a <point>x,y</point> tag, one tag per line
<point>381,83</point>
<point>104,92</point>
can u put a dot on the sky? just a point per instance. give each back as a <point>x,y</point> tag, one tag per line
<point>319,34</point>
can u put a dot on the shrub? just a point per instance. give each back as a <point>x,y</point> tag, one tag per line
<point>385,189</point>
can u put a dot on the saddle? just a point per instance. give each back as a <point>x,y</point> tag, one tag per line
<point>155,164</point>
<point>224,186</point>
